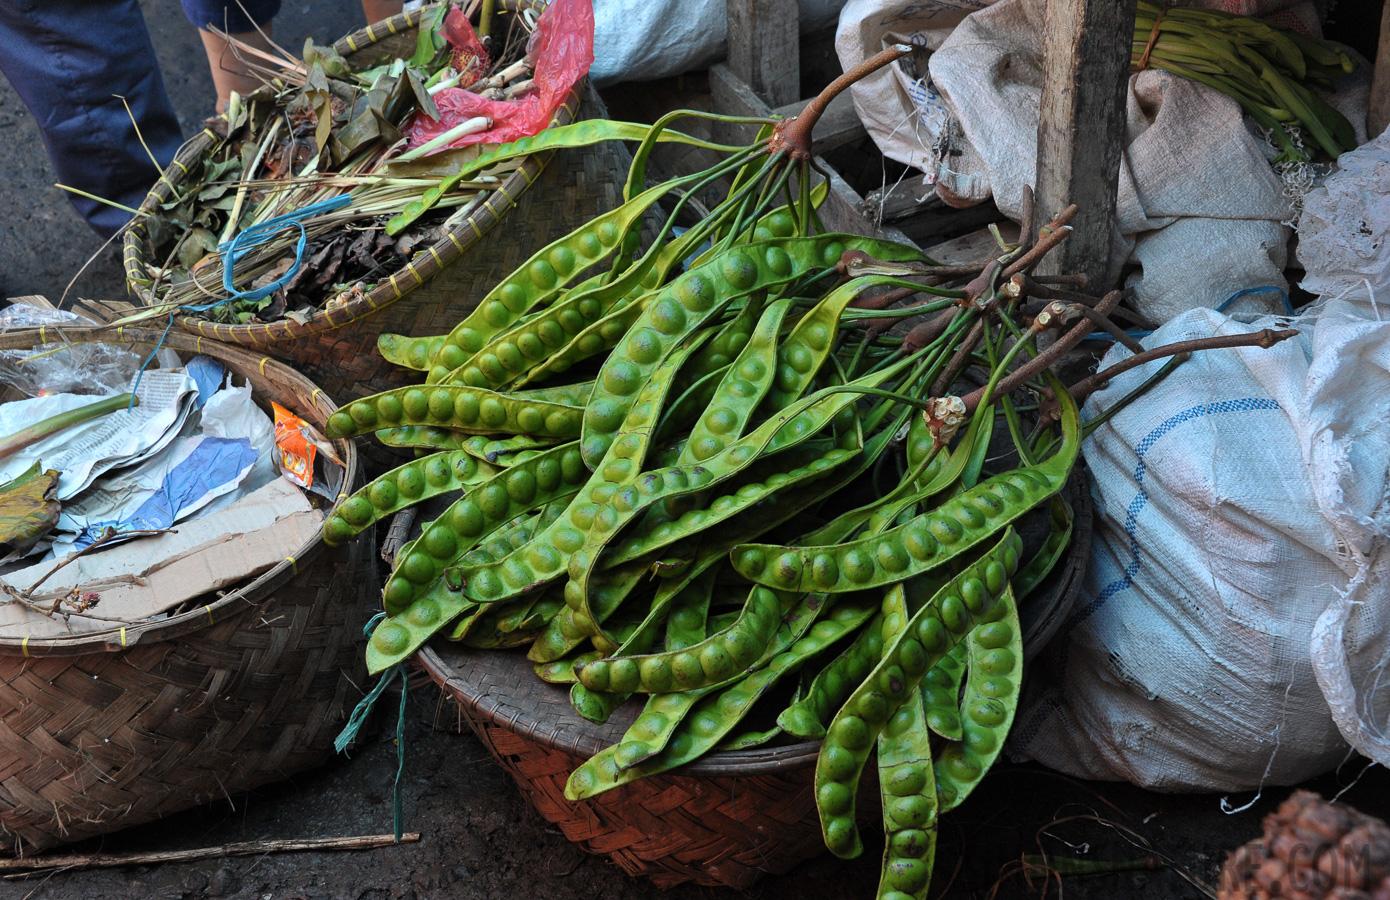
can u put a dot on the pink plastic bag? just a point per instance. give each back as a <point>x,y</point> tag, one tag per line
<point>563,50</point>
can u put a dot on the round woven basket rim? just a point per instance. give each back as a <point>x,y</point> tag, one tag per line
<point>311,402</point>
<point>399,283</point>
<point>755,761</point>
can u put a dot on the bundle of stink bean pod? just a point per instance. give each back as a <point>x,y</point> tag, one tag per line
<point>707,472</point>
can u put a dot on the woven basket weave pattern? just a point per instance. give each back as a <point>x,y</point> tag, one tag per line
<point>728,830</point>
<point>111,729</point>
<point>727,819</point>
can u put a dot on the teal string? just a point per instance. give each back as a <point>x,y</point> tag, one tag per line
<point>359,716</point>
<point>363,708</point>
<point>238,247</point>
<point>398,817</point>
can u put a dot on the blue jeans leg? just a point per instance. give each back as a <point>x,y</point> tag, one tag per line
<point>233,18</point>
<point>68,60</point>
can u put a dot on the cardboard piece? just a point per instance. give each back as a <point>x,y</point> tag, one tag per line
<point>149,576</point>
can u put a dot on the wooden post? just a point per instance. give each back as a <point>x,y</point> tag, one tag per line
<point>1086,53</point>
<point>764,48</point>
<point>1379,116</point>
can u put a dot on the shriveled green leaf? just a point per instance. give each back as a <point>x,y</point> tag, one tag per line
<point>423,100</point>
<point>362,130</point>
<point>215,170</point>
<point>190,251</point>
<point>28,509</point>
<point>326,58</point>
<point>437,165</point>
<point>323,108</point>
<point>203,238</point>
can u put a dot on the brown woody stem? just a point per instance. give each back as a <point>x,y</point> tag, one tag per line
<point>1264,338</point>
<point>1042,288</point>
<point>795,134</point>
<point>925,332</point>
<point>1110,327</point>
<point>68,862</point>
<point>1057,231</point>
<point>1052,354</point>
<point>958,361</point>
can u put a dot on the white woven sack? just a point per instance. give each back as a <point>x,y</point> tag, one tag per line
<point>661,38</point>
<point>1191,168</point>
<point>1344,249</point>
<point>1237,503</point>
<point>1343,228</point>
<point>905,116</point>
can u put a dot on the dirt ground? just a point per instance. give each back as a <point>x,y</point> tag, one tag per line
<point>479,838</point>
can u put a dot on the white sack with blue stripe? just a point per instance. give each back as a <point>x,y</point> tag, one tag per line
<point>1232,630</point>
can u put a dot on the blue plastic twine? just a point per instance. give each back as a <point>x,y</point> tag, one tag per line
<point>234,250</point>
<point>1225,305</point>
<point>1265,289</point>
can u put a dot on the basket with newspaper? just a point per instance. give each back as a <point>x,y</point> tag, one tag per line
<point>172,629</point>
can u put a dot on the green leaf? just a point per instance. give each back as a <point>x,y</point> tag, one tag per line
<point>190,251</point>
<point>203,238</point>
<point>422,96</point>
<point>428,41</point>
<point>215,170</point>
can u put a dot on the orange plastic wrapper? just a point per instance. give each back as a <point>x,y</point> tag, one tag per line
<point>563,50</point>
<point>306,459</point>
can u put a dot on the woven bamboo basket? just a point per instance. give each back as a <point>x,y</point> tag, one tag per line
<point>541,201</point>
<point>109,729</point>
<point>726,819</point>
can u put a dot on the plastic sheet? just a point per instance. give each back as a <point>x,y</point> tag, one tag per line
<point>52,368</point>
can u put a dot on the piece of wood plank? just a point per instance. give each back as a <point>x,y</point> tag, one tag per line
<point>1378,117</point>
<point>975,248</point>
<point>842,211</point>
<point>902,200</point>
<point>733,97</point>
<point>931,226</point>
<point>764,47</point>
<point>1086,53</point>
<point>838,125</point>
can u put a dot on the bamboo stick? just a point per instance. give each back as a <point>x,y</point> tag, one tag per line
<point>26,866</point>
